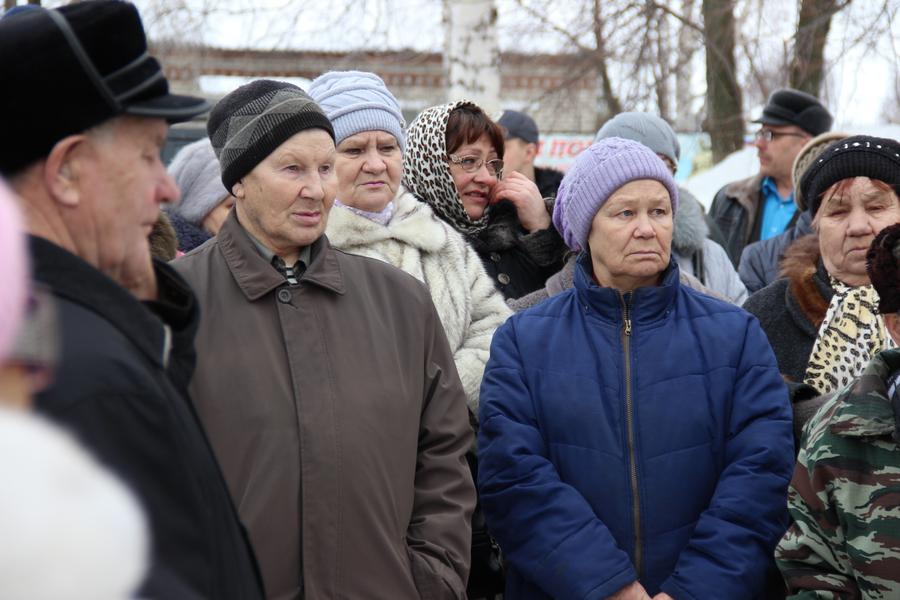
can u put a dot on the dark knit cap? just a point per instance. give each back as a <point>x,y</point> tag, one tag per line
<point>72,68</point>
<point>248,124</point>
<point>857,156</point>
<point>793,107</point>
<point>882,261</point>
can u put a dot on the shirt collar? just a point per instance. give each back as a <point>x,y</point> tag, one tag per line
<point>771,190</point>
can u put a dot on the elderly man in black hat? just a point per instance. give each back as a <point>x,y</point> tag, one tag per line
<point>86,116</point>
<point>762,206</point>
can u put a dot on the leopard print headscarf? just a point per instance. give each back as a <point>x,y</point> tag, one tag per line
<point>426,171</point>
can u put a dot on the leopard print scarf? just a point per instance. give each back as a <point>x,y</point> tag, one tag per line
<point>850,335</point>
<point>426,171</point>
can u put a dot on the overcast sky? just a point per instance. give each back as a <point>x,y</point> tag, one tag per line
<point>859,77</point>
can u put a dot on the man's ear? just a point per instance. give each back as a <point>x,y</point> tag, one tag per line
<point>892,324</point>
<point>63,169</point>
<point>237,190</point>
<point>531,151</point>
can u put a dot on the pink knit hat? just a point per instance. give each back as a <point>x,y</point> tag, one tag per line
<point>13,271</point>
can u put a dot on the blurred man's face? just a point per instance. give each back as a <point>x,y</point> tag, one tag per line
<point>517,154</point>
<point>776,156</point>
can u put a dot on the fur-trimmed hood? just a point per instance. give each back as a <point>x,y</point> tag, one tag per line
<point>690,225</point>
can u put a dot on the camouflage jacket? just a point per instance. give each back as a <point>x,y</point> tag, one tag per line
<point>844,498</point>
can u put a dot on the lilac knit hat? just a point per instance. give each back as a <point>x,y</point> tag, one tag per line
<point>13,271</point>
<point>598,172</point>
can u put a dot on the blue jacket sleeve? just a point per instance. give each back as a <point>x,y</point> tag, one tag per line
<point>546,529</point>
<point>731,550</point>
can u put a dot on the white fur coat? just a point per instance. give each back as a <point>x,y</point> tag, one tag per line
<point>419,243</point>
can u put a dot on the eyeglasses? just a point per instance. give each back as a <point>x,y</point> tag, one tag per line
<point>768,135</point>
<point>471,164</point>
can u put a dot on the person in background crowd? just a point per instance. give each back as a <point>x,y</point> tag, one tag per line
<point>91,183</point>
<point>761,261</point>
<point>453,164</point>
<point>376,217</point>
<point>624,436</point>
<point>821,318</point>
<point>521,142</point>
<point>692,247</point>
<point>762,206</point>
<point>324,379</point>
<point>205,202</point>
<point>844,540</point>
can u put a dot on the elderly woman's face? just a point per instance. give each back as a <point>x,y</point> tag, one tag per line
<point>474,188</point>
<point>369,166</point>
<point>631,236</point>
<point>848,220</point>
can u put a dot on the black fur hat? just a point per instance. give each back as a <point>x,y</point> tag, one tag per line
<point>882,261</point>
<point>69,69</point>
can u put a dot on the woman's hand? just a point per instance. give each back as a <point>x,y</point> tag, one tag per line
<point>632,591</point>
<point>524,195</point>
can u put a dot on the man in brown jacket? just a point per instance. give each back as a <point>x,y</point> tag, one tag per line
<point>324,379</point>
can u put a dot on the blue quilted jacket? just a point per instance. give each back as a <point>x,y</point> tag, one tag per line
<point>631,436</point>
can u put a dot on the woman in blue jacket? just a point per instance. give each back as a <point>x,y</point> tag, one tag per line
<point>635,435</point>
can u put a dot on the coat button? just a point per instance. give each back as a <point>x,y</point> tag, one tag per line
<point>284,296</point>
<point>503,278</point>
<point>495,257</point>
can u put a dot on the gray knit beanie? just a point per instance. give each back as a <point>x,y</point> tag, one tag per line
<point>645,128</point>
<point>357,101</point>
<point>597,173</point>
<point>196,171</point>
<point>248,124</point>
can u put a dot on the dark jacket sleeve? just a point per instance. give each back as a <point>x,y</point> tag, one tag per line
<point>546,528</point>
<point>731,550</point>
<point>440,530</point>
<point>752,268</point>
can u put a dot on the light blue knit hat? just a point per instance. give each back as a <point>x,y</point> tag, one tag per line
<point>356,101</point>
<point>597,173</point>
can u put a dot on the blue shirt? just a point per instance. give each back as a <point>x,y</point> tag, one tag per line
<point>777,211</point>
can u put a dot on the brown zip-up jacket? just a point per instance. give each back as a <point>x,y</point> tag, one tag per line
<point>336,412</point>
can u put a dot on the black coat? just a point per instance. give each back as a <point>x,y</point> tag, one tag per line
<point>120,387</point>
<point>791,310</point>
<point>547,181</point>
<point>519,262</point>
<point>761,261</point>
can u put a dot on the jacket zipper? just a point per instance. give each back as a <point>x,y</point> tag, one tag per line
<point>629,420</point>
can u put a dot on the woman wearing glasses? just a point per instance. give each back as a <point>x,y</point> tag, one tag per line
<point>375,216</point>
<point>453,165</point>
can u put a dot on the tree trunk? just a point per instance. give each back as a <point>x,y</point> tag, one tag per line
<point>609,100</point>
<point>806,71</point>
<point>472,59</point>
<point>685,119</point>
<point>724,103</point>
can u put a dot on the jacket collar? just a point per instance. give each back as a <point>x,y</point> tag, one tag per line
<point>646,304</point>
<point>746,191</point>
<point>256,277</point>
<point>73,279</point>
<point>866,410</point>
